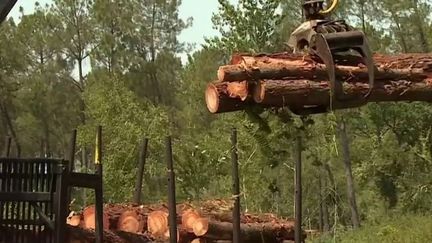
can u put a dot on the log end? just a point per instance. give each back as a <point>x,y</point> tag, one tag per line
<point>238,90</point>
<point>221,74</point>
<point>212,98</point>
<point>200,226</point>
<point>218,99</point>
<point>188,219</point>
<point>236,58</point>
<point>129,221</point>
<point>74,220</point>
<point>157,223</point>
<point>89,221</point>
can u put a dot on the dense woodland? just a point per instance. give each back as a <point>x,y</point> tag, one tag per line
<point>81,63</point>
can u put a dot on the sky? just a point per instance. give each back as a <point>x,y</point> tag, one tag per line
<point>201,14</point>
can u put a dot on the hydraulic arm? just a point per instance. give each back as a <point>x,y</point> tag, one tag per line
<point>5,7</point>
<point>331,40</point>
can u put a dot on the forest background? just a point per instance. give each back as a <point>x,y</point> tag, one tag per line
<point>368,168</point>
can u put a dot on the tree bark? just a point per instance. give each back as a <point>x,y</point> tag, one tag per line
<point>5,113</point>
<point>280,93</point>
<point>355,218</point>
<point>421,30</point>
<point>249,232</point>
<point>292,66</point>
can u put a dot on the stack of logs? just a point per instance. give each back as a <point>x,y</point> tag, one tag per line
<point>295,81</point>
<point>209,221</point>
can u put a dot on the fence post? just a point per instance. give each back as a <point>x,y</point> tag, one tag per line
<point>171,193</point>
<point>99,190</point>
<point>298,191</point>
<point>7,146</point>
<point>236,187</point>
<point>140,172</point>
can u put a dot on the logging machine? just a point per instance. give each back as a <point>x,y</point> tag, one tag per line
<point>5,7</point>
<point>332,41</point>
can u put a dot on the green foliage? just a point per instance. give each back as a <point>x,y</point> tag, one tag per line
<point>126,121</point>
<point>248,27</point>
<point>407,228</point>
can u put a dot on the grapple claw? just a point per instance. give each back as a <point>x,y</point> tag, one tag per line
<point>368,59</point>
<point>328,44</point>
<point>324,52</point>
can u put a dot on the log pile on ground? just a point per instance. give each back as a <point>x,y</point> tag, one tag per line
<point>208,221</point>
<point>292,80</point>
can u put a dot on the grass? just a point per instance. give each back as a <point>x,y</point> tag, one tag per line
<point>403,229</point>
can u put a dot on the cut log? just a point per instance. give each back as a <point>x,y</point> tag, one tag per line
<point>394,61</point>
<point>209,229</point>
<point>218,99</point>
<point>74,219</point>
<point>188,218</point>
<point>157,223</point>
<point>298,93</point>
<point>296,81</point>
<point>238,90</point>
<point>130,221</point>
<point>247,218</point>
<point>204,240</point>
<point>77,234</point>
<point>89,216</point>
<point>417,69</point>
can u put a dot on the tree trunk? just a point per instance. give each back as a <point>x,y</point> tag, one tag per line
<point>400,31</point>
<point>420,25</point>
<point>324,201</point>
<point>131,221</point>
<point>5,113</point>
<point>355,219</point>
<point>47,147</point>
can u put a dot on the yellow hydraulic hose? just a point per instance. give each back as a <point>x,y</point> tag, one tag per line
<point>331,8</point>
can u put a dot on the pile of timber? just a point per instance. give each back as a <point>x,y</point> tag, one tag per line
<point>208,221</point>
<point>292,80</point>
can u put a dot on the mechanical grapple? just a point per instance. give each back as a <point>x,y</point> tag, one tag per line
<point>5,7</point>
<point>331,41</point>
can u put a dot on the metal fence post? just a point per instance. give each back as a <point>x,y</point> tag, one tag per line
<point>298,191</point>
<point>171,193</point>
<point>140,172</point>
<point>236,188</point>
